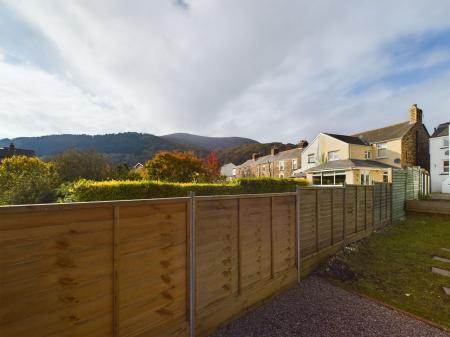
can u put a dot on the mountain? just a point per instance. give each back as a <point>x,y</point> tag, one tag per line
<point>210,143</point>
<point>239,154</point>
<point>130,147</point>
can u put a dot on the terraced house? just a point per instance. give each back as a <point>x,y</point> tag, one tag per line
<point>369,156</point>
<point>278,164</point>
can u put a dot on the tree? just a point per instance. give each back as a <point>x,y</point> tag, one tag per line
<point>213,166</point>
<point>75,164</point>
<point>27,180</point>
<point>176,167</point>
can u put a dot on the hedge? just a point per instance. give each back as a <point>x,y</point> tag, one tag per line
<point>87,190</point>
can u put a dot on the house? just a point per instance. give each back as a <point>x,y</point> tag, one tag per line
<point>137,166</point>
<point>278,164</point>
<point>369,156</point>
<point>228,170</point>
<point>439,159</point>
<point>11,150</point>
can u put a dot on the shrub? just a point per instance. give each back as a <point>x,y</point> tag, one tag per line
<point>25,180</point>
<point>86,190</point>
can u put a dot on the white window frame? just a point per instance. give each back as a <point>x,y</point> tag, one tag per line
<point>381,146</point>
<point>281,165</point>
<point>445,168</point>
<point>311,158</point>
<point>281,175</point>
<point>386,175</point>
<point>329,173</point>
<point>445,142</point>
<point>333,155</point>
<point>294,164</point>
<point>367,154</point>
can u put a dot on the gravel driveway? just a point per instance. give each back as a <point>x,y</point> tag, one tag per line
<point>317,308</point>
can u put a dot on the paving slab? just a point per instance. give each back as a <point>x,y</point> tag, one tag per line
<point>442,259</point>
<point>440,271</point>
<point>446,290</point>
<point>446,249</point>
<point>316,308</point>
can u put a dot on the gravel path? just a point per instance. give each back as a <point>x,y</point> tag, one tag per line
<point>317,308</point>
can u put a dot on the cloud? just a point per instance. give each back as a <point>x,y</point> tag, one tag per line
<point>269,70</point>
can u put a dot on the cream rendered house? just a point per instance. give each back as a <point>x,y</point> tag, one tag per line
<point>369,156</point>
<point>439,159</point>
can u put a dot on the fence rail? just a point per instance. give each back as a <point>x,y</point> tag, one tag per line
<point>150,267</point>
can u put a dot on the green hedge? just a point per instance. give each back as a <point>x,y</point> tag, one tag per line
<point>87,190</point>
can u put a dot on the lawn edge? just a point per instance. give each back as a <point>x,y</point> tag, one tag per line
<point>389,306</point>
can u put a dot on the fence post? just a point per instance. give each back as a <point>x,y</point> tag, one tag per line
<point>297,236</point>
<point>192,266</point>
<point>116,308</point>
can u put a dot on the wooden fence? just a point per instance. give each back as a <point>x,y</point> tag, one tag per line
<point>151,267</point>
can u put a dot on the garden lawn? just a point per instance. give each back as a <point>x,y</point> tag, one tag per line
<point>394,266</point>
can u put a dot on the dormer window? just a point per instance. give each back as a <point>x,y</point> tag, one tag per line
<point>367,154</point>
<point>311,159</point>
<point>333,155</point>
<point>381,150</point>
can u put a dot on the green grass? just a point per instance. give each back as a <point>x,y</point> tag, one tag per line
<point>394,266</point>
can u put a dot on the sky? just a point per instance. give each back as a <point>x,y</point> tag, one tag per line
<point>269,70</point>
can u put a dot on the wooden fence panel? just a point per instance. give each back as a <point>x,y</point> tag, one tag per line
<point>369,206</point>
<point>338,214</point>
<point>350,210</point>
<point>217,250</point>
<point>56,269</point>
<point>308,220</point>
<point>152,268</point>
<point>254,240</point>
<point>360,208</point>
<point>324,220</point>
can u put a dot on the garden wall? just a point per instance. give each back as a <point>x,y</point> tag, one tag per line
<point>169,267</point>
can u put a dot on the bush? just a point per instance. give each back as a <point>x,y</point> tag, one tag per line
<point>25,180</point>
<point>86,190</point>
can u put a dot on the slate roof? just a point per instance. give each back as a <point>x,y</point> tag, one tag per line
<point>348,139</point>
<point>387,133</point>
<point>348,164</point>
<point>282,155</point>
<point>441,130</point>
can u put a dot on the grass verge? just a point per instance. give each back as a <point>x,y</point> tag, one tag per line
<point>394,266</point>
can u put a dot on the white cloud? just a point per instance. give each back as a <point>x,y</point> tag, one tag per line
<point>270,70</point>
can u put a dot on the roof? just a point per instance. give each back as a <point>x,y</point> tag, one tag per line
<point>348,139</point>
<point>441,130</point>
<point>348,164</point>
<point>7,152</point>
<point>282,155</point>
<point>382,134</point>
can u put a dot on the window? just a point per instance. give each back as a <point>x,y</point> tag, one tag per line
<point>367,154</point>
<point>365,178</point>
<point>333,155</point>
<point>329,178</point>
<point>281,175</point>
<point>311,159</point>
<point>257,171</point>
<point>294,164</point>
<point>445,166</point>
<point>445,142</point>
<point>382,150</point>
<point>385,177</point>
<point>281,165</point>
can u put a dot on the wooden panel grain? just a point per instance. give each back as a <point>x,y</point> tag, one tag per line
<point>361,208</point>
<point>56,272</point>
<point>338,214</point>
<point>283,233</point>
<point>255,240</point>
<point>307,221</point>
<point>324,217</point>
<point>216,250</point>
<point>152,267</point>
<point>369,207</point>
<point>350,210</point>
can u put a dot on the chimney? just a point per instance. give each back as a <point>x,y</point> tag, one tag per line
<point>255,156</point>
<point>302,144</point>
<point>12,147</point>
<point>274,151</point>
<point>415,114</point>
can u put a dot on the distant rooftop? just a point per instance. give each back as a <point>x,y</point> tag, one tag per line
<point>441,130</point>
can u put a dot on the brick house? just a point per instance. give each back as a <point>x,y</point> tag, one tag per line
<point>278,164</point>
<point>11,150</point>
<point>367,156</point>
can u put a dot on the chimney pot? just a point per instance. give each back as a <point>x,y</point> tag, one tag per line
<point>302,144</point>
<point>274,151</point>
